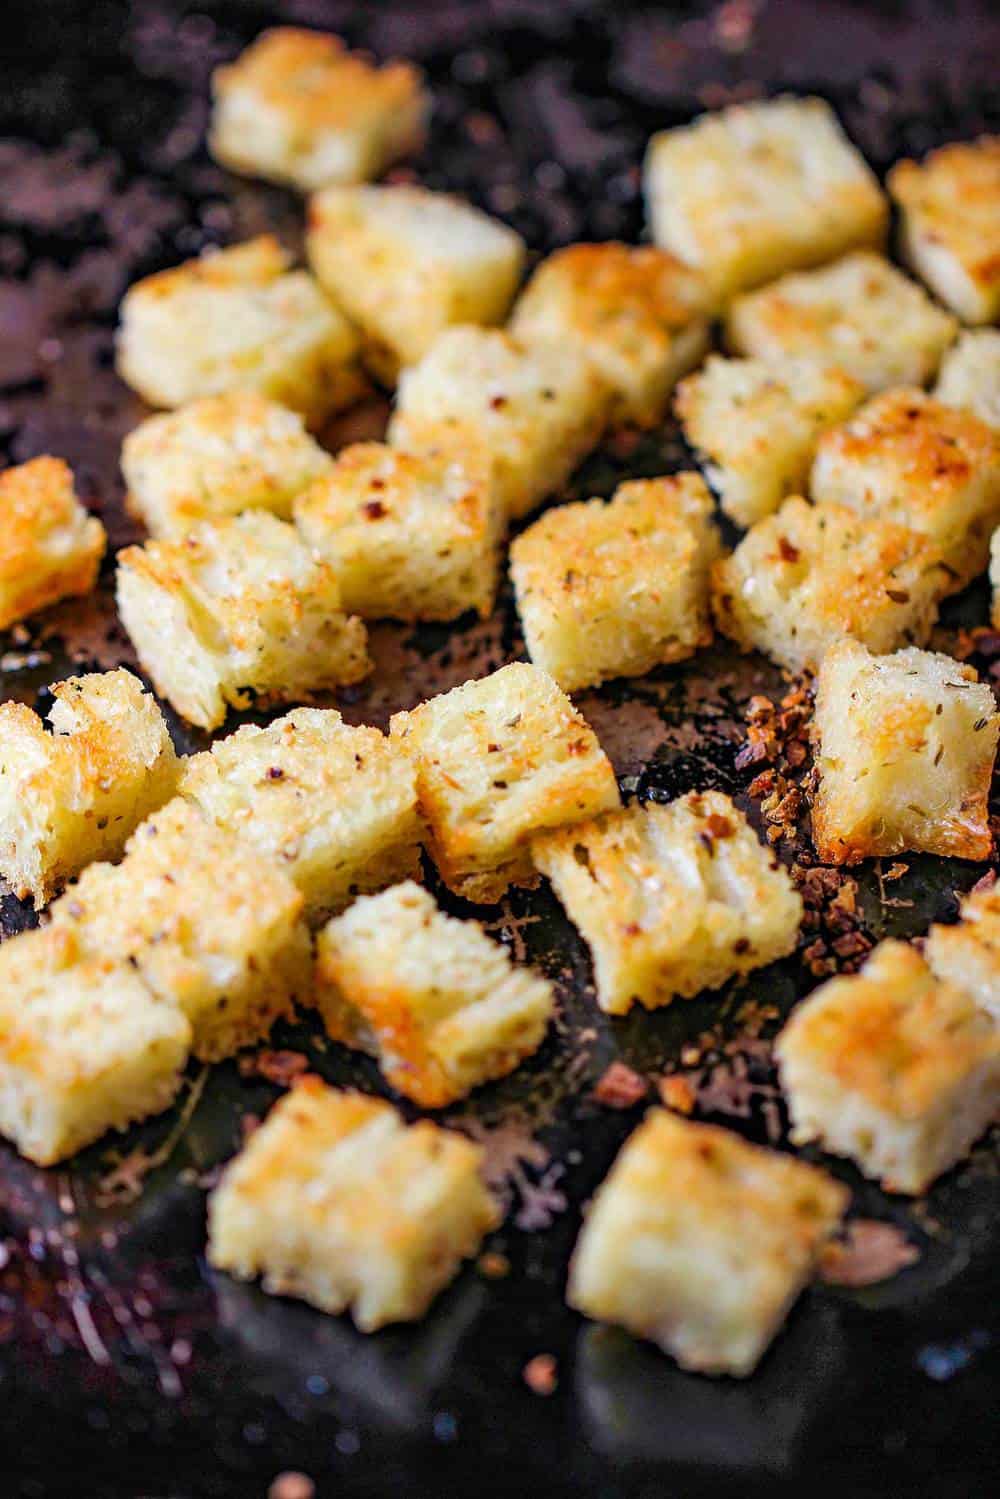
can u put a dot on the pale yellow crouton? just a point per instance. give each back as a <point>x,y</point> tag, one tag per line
<point>950,207</point>
<point>967,955</point>
<point>498,761</point>
<point>757,426</point>
<point>970,375</point>
<point>859,313</point>
<point>538,411</point>
<point>332,806</point>
<point>217,457</point>
<point>701,1242</point>
<point>238,319</point>
<point>409,535</point>
<point>84,1046</point>
<point>237,611</point>
<point>405,263</point>
<point>614,589</point>
<point>671,899</point>
<point>761,188</point>
<point>635,312</point>
<point>335,1201</point>
<point>892,1068</point>
<point>297,107</point>
<point>50,548</point>
<point>811,574</point>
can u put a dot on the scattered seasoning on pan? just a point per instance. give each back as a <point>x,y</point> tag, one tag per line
<point>620,1087</point>
<point>492,1265</point>
<point>541,1374</point>
<point>281,1067</point>
<point>677,1093</point>
<point>869,1252</point>
<point>832,929</point>
<point>123,1183</point>
<point>292,1486</point>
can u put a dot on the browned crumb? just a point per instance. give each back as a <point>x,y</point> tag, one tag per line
<point>493,1266</point>
<point>869,1252</point>
<point>677,1093</point>
<point>281,1067</point>
<point>540,1374</point>
<point>620,1087</point>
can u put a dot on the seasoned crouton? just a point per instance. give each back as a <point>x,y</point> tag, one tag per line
<point>671,899</point>
<point>701,1242</point>
<point>892,1068</point>
<point>967,955</point>
<point>334,1200</point>
<point>297,107</point>
<point>970,375</point>
<point>50,548</point>
<point>238,610</point>
<point>498,761</point>
<point>614,589</point>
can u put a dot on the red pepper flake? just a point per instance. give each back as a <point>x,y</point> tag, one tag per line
<point>493,1266</point>
<point>870,1252</point>
<point>718,827</point>
<point>281,1067</point>
<point>292,1486</point>
<point>540,1374</point>
<point>374,509</point>
<point>620,1087</point>
<point>787,552</point>
<point>497,403</point>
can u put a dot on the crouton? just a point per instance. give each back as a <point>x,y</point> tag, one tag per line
<point>970,375</point>
<point>967,955</point>
<point>50,548</point>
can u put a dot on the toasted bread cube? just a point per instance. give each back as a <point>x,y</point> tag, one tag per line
<point>297,107</point>
<point>237,611</point>
<point>614,589</point>
<point>335,1201</point>
<point>334,807</point>
<point>238,319</point>
<point>892,1068</point>
<point>757,426</point>
<point>412,536</point>
<point>859,313</point>
<point>405,263</point>
<point>498,761</point>
<point>950,206</point>
<point>967,955</point>
<point>50,548</point>
<point>758,189</point>
<point>970,375</point>
<point>701,1242</point>
<point>811,574</point>
<point>637,313</point>
<point>671,899</point>
<point>84,1046</point>
<point>538,410</point>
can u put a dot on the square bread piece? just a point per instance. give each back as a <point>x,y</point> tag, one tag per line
<point>497,761</point>
<point>217,457</point>
<point>671,899</point>
<point>238,319</point>
<point>761,188</point>
<point>637,313</point>
<point>950,206</point>
<point>50,548</point>
<point>904,749</point>
<point>970,375</point>
<point>238,611</point>
<point>405,263</point>
<point>860,314</point>
<point>84,1046</point>
<point>702,1243</point>
<point>756,426</point>
<point>334,1200</point>
<point>538,411</point>
<point>409,535</point>
<point>892,1068</point>
<point>298,107</point>
<point>441,1005</point>
<point>811,574</point>
<point>908,458</point>
<point>612,589</point>
<point>967,955</point>
<point>211,928</point>
<point>74,792</point>
<point>334,807</point>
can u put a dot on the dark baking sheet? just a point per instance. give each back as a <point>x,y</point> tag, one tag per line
<point>126,1367</point>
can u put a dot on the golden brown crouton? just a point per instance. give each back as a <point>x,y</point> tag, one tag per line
<point>50,548</point>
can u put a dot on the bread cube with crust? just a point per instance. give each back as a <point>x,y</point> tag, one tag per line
<point>752,191</point>
<point>405,263</point>
<point>297,107</point>
<point>333,807</point>
<point>498,761</point>
<point>701,1242</point>
<point>970,375</point>
<point>671,899</point>
<point>50,548</point>
<point>84,1046</point>
<point>237,611</point>
<point>636,312</point>
<point>860,314</point>
<point>967,955</point>
<point>538,411</point>
<point>239,319</point>
<point>612,589</point>
<point>811,574</point>
<point>892,1068</point>
<point>757,424</point>
<point>950,207</point>
<point>336,1201</point>
<point>413,536</point>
